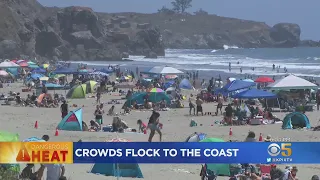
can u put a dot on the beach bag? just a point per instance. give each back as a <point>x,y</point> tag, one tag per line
<point>193,123</point>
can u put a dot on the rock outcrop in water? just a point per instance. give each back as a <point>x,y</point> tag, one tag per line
<point>77,33</point>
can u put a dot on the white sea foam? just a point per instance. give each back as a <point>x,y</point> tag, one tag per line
<point>230,47</point>
<point>219,61</point>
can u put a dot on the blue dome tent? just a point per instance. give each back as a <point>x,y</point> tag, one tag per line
<point>185,84</point>
<point>296,120</point>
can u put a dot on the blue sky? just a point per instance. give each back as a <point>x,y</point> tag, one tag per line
<point>305,13</point>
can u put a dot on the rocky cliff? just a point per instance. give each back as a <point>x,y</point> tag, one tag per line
<point>77,33</point>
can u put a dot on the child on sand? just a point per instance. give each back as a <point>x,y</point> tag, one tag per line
<point>142,126</point>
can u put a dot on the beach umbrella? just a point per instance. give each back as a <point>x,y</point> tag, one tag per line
<point>264,79</point>
<point>57,76</point>
<point>23,64</point>
<point>170,76</point>
<point>3,73</point>
<point>156,90</point>
<point>8,64</point>
<point>248,80</point>
<point>39,70</point>
<point>36,76</point>
<point>32,65</point>
<point>20,61</point>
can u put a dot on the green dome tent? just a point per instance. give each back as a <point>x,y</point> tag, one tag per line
<point>91,86</point>
<point>220,169</point>
<point>77,92</point>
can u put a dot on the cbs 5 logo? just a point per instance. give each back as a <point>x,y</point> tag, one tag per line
<point>284,148</point>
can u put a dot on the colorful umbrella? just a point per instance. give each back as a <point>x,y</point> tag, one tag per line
<point>264,79</point>
<point>248,80</point>
<point>156,90</point>
<point>23,64</point>
<point>171,76</point>
<point>20,61</point>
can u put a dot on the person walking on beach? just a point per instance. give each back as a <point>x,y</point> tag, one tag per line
<point>153,125</point>
<point>229,66</point>
<point>199,103</point>
<point>98,95</point>
<point>220,104</point>
<point>64,109</point>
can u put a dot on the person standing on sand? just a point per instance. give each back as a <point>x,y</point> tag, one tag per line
<point>98,115</point>
<point>153,125</point>
<point>318,100</point>
<point>199,103</point>
<point>64,109</point>
<point>191,105</point>
<point>98,95</point>
<point>220,104</point>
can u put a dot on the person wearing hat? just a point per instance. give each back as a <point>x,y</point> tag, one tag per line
<point>64,109</point>
<point>251,137</point>
<point>267,139</point>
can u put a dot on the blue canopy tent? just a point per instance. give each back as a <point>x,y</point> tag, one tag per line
<point>105,70</point>
<point>65,71</point>
<point>254,93</point>
<point>39,70</point>
<point>237,85</point>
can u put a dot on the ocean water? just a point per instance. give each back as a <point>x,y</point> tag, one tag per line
<point>299,61</point>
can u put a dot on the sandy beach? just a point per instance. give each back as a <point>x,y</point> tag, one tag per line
<point>176,128</point>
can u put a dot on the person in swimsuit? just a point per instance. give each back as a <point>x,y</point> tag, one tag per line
<point>98,115</point>
<point>153,125</point>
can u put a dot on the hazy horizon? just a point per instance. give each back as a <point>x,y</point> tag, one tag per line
<point>271,12</point>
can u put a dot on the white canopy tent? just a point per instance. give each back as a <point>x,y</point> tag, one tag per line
<point>291,82</point>
<point>8,64</point>
<point>164,70</point>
